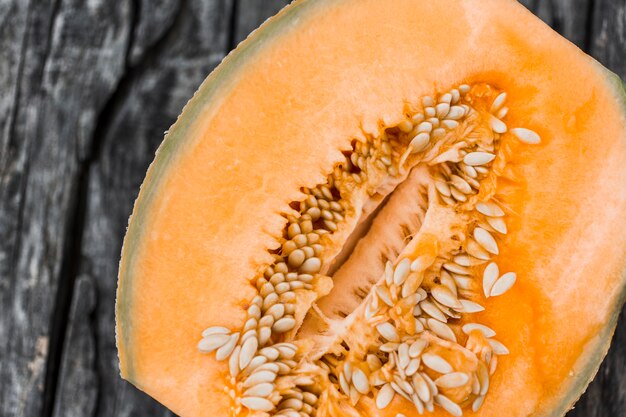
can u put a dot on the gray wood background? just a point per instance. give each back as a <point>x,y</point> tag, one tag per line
<point>87,89</point>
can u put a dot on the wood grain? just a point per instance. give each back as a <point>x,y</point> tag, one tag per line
<point>87,89</point>
<point>60,63</point>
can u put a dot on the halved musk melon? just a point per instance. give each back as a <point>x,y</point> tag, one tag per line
<point>376,207</point>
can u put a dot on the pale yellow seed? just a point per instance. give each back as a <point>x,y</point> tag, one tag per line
<point>526,135</point>
<point>405,126</point>
<point>498,102</point>
<point>497,125</point>
<point>420,142</point>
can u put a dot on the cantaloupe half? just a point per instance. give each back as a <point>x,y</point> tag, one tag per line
<point>381,207</point>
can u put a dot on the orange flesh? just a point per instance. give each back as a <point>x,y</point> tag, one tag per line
<point>279,124</point>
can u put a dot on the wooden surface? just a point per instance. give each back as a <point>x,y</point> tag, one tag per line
<point>87,89</point>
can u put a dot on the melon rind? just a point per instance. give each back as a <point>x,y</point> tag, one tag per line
<point>208,97</point>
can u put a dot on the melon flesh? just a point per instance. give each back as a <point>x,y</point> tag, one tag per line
<point>274,118</point>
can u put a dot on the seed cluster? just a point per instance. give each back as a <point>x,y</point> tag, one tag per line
<point>258,356</point>
<point>377,154</point>
<point>414,310</point>
<point>437,118</point>
<point>417,305</point>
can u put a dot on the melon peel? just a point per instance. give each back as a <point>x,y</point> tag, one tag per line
<point>397,154</point>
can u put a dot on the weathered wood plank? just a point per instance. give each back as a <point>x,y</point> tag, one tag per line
<point>608,35</point>
<point>152,19</point>
<point>251,13</point>
<point>571,18</point>
<point>60,60</point>
<point>154,89</point>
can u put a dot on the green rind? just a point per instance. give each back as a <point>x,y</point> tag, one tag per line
<point>220,81</point>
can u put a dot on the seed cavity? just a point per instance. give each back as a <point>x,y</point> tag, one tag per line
<point>415,322</point>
